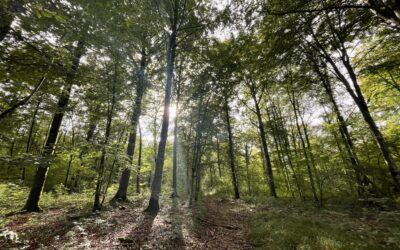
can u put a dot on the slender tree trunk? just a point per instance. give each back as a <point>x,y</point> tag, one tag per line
<point>267,158</point>
<point>283,140</point>
<point>138,177</point>
<point>231,153</point>
<point>32,204</point>
<point>110,114</point>
<point>278,150</point>
<point>121,194</point>
<point>120,142</point>
<point>219,157</point>
<point>303,144</point>
<point>30,133</point>
<point>175,160</point>
<point>153,206</point>
<point>71,157</point>
<point>247,160</point>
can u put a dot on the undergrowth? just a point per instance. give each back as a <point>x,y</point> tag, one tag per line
<point>293,225</point>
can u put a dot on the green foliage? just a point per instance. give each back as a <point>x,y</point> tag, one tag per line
<point>284,225</point>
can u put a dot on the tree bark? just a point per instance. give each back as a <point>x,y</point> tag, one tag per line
<point>231,153</point>
<point>153,206</point>
<point>32,204</point>
<point>110,113</point>
<point>267,158</point>
<point>309,168</point>
<point>30,133</point>
<point>247,160</point>
<point>121,194</point>
<point>139,167</point>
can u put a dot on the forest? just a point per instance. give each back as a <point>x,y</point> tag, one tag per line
<point>199,124</point>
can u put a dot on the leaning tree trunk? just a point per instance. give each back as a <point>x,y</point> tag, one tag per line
<point>231,152</point>
<point>32,204</point>
<point>153,206</point>
<point>362,180</point>
<point>356,94</point>
<point>121,194</point>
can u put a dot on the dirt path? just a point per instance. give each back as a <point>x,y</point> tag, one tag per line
<point>215,224</point>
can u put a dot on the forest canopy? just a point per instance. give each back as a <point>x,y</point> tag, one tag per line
<point>113,107</point>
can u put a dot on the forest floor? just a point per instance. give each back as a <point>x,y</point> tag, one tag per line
<point>214,223</point>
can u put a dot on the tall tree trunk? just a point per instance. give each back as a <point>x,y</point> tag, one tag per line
<point>153,206</point>
<point>303,144</point>
<point>362,180</point>
<point>247,160</point>
<point>267,158</point>
<point>110,113</point>
<point>139,166</point>
<point>175,160</point>
<point>121,194</point>
<point>32,204</point>
<point>283,140</point>
<point>231,152</point>
<point>279,150</point>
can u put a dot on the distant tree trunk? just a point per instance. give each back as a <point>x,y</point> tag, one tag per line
<point>30,133</point>
<point>71,157</point>
<point>138,177</point>
<point>153,206</point>
<point>231,152</point>
<point>196,156</point>
<point>283,140</point>
<point>121,194</point>
<point>110,114</point>
<point>175,156</point>
<point>267,158</point>
<point>278,150</point>
<point>303,144</point>
<point>32,204</point>
<point>247,159</point>
<point>219,157</point>
<point>89,136</point>
<point>120,142</point>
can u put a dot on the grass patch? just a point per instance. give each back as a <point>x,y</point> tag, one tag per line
<point>284,225</point>
<point>13,198</point>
